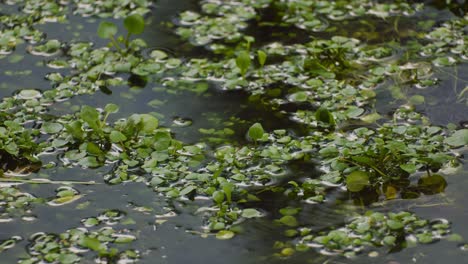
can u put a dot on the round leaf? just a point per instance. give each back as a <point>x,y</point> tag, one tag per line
<point>357,180</point>
<point>106,30</point>
<point>135,24</point>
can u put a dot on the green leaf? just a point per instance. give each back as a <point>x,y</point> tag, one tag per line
<point>357,180</point>
<point>93,149</point>
<point>389,240</point>
<point>91,116</point>
<point>111,108</point>
<point>150,123</point>
<point>117,137</point>
<point>187,190</point>
<point>394,224</point>
<point>51,128</point>
<point>325,116</point>
<point>218,197</point>
<point>228,188</point>
<point>410,168</point>
<point>289,211</point>
<point>289,220</point>
<point>75,129</point>
<point>106,30</point>
<point>135,24</point>
<point>299,97</point>
<point>224,235</point>
<point>416,99</point>
<point>92,243</point>
<point>251,213</point>
<point>256,131</point>
<point>371,118</point>
<point>458,139</point>
<point>68,258</point>
<point>432,184</point>
<point>243,62</point>
<point>262,56</point>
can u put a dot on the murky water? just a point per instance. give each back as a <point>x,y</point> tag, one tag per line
<point>186,114</point>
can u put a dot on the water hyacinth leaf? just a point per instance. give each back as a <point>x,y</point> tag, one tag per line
<point>92,243</point>
<point>111,108</point>
<point>93,149</point>
<point>325,116</point>
<point>251,213</point>
<point>51,127</point>
<point>68,258</point>
<point>289,220</point>
<point>225,235</point>
<point>218,197</point>
<point>410,168</point>
<point>395,224</point>
<point>106,30</point>
<point>256,131</point>
<point>75,129</point>
<point>243,62</point>
<point>389,240</point>
<point>416,99</point>
<point>458,139</point>
<point>357,180</point>
<point>227,189</point>
<point>262,57</point>
<point>371,118</point>
<point>187,190</point>
<point>299,97</point>
<point>135,24</point>
<point>91,116</point>
<point>289,211</point>
<point>117,137</point>
<point>149,123</point>
<point>432,184</point>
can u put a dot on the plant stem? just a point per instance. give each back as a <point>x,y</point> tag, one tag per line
<point>46,181</point>
<point>127,39</point>
<point>116,44</point>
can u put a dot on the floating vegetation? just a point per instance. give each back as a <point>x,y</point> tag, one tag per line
<point>333,140</point>
<point>75,245</point>
<point>373,229</point>
<point>15,204</point>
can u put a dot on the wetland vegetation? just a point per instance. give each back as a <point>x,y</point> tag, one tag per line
<point>255,131</point>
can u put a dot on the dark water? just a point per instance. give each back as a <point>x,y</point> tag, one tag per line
<point>171,242</point>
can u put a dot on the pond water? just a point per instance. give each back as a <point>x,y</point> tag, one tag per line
<point>375,75</point>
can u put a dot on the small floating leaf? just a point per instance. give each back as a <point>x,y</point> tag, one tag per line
<point>51,127</point>
<point>394,224</point>
<point>289,220</point>
<point>357,180</point>
<point>458,139</point>
<point>225,234</point>
<point>92,243</point>
<point>416,99</point>
<point>432,184</point>
<point>251,213</point>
